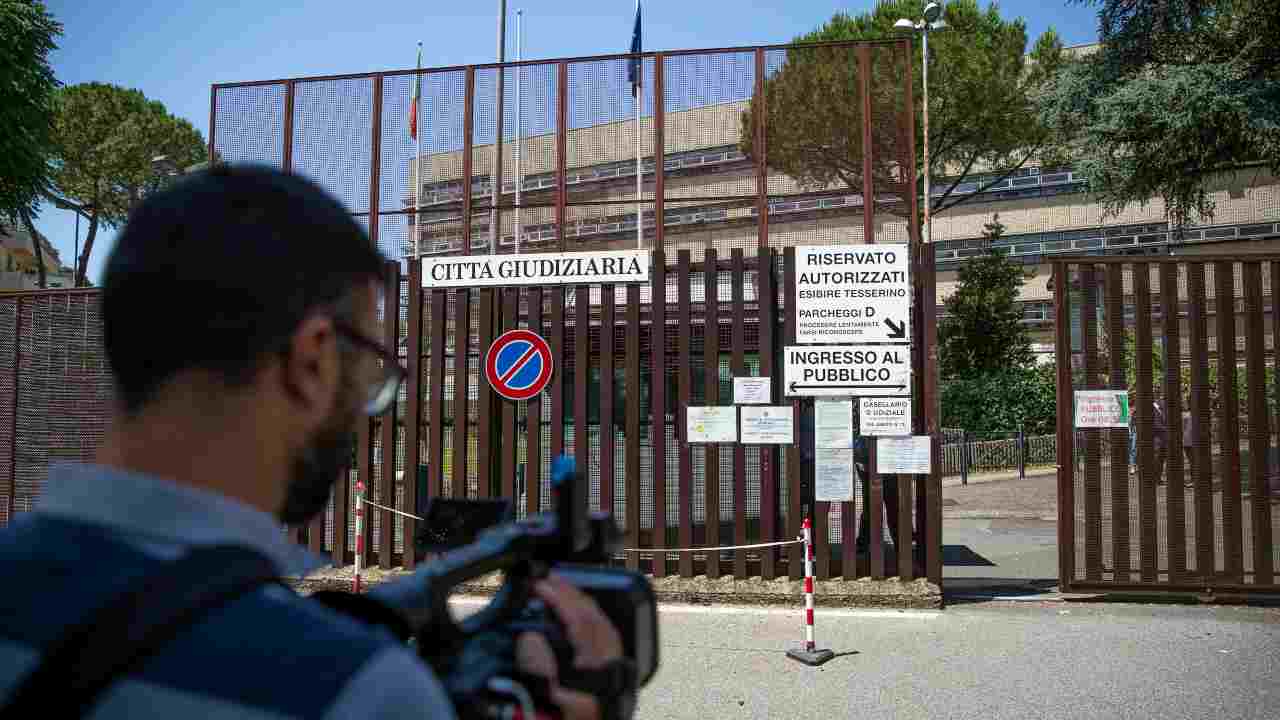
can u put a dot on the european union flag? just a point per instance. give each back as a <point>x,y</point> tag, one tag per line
<point>634,72</point>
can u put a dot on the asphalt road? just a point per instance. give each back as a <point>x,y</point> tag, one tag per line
<point>993,661</point>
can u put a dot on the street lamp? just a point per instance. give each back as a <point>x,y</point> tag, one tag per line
<point>931,21</point>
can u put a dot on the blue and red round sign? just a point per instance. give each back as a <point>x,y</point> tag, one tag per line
<point>518,364</point>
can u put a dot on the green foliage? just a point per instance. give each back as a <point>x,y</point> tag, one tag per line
<point>106,138</point>
<point>981,331</point>
<point>27,85</point>
<point>1002,400</point>
<point>980,108</point>
<point>1181,90</point>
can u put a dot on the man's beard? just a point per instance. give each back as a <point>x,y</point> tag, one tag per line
<point>316,469</point>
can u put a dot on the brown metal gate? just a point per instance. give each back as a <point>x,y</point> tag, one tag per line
<point>1192,340</point>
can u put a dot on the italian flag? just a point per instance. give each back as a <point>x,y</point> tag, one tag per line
<point>417,93</point>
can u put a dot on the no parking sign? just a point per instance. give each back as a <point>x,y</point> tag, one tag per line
<point>518,365</point>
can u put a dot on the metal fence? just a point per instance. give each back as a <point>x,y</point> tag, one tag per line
<point>963,453</point>
<point>1192,341</point>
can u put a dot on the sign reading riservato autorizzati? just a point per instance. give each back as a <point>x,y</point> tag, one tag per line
<point>852,294</point>
<point>579,268</point>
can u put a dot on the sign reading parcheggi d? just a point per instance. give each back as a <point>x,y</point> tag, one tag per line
<point>580,268</point>
<point>852,294</point>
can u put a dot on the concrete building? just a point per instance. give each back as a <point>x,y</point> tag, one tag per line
<point>18,262</point>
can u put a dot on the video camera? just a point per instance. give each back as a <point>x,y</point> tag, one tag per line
<point>475,657</point>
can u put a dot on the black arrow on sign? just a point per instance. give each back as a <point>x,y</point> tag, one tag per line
<point>896,331</point>
<point>850,387</point>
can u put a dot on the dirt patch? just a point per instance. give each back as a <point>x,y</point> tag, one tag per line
<point>701,590</point>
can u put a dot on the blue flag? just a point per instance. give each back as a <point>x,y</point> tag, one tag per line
<point>634,72</point>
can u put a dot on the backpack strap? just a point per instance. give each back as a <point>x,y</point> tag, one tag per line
<point>116,638</point>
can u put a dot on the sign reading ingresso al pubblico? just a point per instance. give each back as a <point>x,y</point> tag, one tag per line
<point>579,268</point>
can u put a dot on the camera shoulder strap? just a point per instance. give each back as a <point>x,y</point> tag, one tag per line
<point>118,636</point>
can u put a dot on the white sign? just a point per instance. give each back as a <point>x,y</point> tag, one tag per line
<point>848,370</point>
<point>768,425</point>
<point>1102,409</point>
<point>711,424</point>
<point>751,390</point>
<point>905,455</point>
<point>833,424</point>
<point>884,416</point>
<point>852,293</point>
<point>579,268</point>
<point>832,475</point>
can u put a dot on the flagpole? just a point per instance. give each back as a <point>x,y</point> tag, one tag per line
<point>496,179</point>
<point>638,91</point>
<point>417,172</point>
<point>519,126</point>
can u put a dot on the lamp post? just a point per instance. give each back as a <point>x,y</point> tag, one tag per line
<point>931,21</point>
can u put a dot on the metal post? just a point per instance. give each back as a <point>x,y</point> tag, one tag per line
<point>1022,454</point>
<point>519,225</point>
<point>964,457</point>
<point>928,202</point>
<point>496,180</point>
<point>638,89</point>
<point>75,259</point>
<point>417,171</point>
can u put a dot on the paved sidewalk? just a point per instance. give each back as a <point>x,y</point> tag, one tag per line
<point>1003,496</point>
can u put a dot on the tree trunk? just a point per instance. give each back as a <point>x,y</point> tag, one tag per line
<point>82,263</point>
<point>37,244</point>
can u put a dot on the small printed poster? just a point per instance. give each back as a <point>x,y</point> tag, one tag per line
<point>711,424</point>
<point>884,416</point>
<point>904,455</point>
<point>833,423</point>
<point>1102,408</point>
<point>751,390</point>
<point>833,475</point>
<point>768,425</point>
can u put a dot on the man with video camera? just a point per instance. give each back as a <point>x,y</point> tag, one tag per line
<point>239,314</point>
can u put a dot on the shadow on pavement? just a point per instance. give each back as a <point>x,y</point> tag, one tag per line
<point>963,556</point>
<point>968,591</point>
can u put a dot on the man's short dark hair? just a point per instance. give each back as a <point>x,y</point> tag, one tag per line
<point>217,271</point>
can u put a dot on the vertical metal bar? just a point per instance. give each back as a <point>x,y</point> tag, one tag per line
<point>581,375</point>
<point>794,501</point>
<point>461,390</point>
<point>375,172</point>
<point>821,544</point>
<point>1275,342</point>
<point>1120,559</point>
<point>387,494</point>
<point>1176,522</point>
<point>1066,433</point>
<point>287,150</point>
<point>213,125</point>
<point>759,146</point>
<point>468,138</point>
<point>659,164</point>
<point>315,534</point>
<point>633,424</point>
<point>562,146</point>
<point>13,422</point>
<point>711,386</point>
<point>1148,470</point>
<point>932,517</point>
<point>1202,471</point>
<point>1093,438</point>
<point>684,383</point>
<point>341,501</point>
<point>767,306</point>
<point>435,440</point>
<point>738,368</point>
<point>508,439</point>
<point>365,477</point>
<point>902,543</point>
<point>413,409</point>
<point>1259,432</point>
<point>486,398</point>
<point>875,533</point>
<point>1229,422</point>
<point>533,423</point>
<point>607,388</point>
<point>560,353</point>
<point>868,189</point>
<point>658,372</point>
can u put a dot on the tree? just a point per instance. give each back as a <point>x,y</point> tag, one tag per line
<point>982,329</point>
<point>27,86</point>
<point>1180,91</point>
<point>980,107</point>
<point>106,137</point>
<point>1002,401</point>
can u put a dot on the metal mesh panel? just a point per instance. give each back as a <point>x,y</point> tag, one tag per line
<point>332,126</point>
<point>9,345</point>
<point>601,159</point>
<point>249,124</point>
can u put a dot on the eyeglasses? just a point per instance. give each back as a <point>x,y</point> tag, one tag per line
<point>382,391</point>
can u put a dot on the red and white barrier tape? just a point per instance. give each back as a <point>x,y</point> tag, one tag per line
<point>808,585</point>
<point>722,547</point>
<point>398,512</point>
<point>355,582</point>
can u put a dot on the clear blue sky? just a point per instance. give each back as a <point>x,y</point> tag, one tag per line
<point>172,52</point>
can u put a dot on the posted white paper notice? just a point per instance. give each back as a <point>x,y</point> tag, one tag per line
<point>904,455</point>
<point>768,425</point>
<point>833,423</point>
<point>711,424</point>
<point>884,416</point>
<point>832,475</point>
<point>751,390</point>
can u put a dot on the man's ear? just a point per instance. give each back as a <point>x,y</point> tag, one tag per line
<point>310,369</point>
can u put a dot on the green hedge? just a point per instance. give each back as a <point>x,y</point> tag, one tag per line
<point>1002,401</point>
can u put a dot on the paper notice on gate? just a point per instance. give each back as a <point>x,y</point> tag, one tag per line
<point>832,475</point>
<point>833,423</point>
